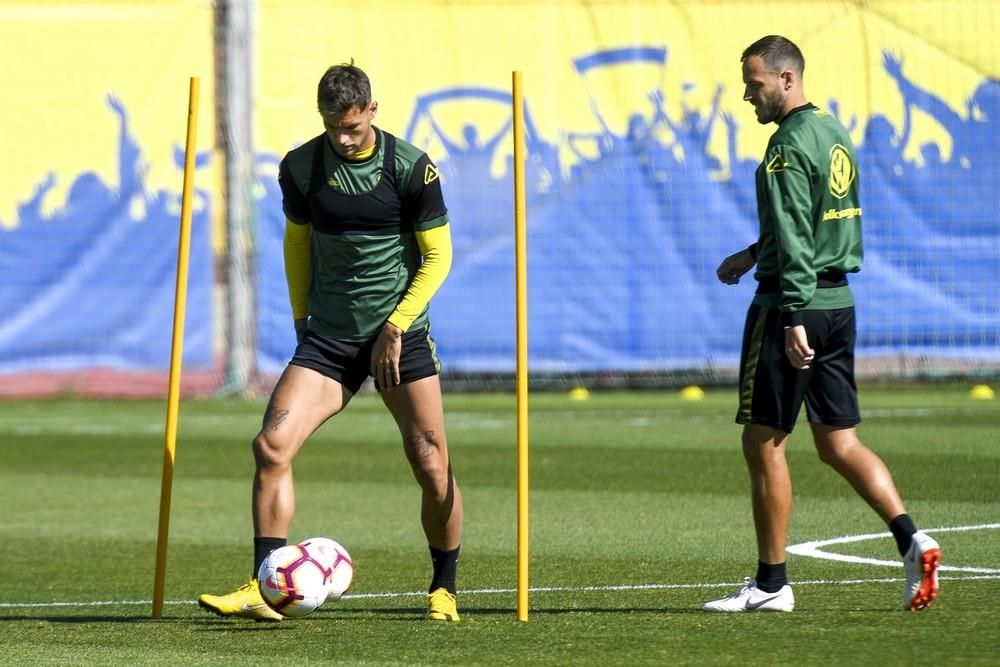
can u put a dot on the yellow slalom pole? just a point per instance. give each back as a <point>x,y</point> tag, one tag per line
<point>176,351</point>
<point>521,288</point>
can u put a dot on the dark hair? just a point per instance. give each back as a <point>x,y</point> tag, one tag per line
<point>778,53</point>
<point>342,88</point>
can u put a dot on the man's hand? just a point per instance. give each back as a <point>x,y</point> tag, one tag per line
<point>797,349</point>
<point>734,266</point>
<point>385,356</point>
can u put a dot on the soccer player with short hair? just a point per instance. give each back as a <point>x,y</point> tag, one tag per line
<point>798,343</point>
<point>367,243</point>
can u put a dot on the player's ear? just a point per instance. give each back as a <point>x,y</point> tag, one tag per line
<point>787,79</point>
<point>373,108</point>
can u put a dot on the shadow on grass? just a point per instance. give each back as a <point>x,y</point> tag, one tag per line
<point>75,619</point>
<point>227,624</point>
<point>395,614</point>
<point>414,614</point>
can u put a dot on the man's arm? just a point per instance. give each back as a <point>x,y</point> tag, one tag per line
<point>298,271</point>
<point>425,201</point>
<point>789,191</point>
<point>297,249</point>
<point>435,247</point>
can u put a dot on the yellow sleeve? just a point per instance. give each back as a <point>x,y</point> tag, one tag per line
<point>435,246</point>
<point>298,266</point>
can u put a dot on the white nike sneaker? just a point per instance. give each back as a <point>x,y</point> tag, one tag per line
<point>751,598</point>
<point>921,565</point>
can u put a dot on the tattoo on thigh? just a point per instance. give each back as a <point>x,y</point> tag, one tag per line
<point>273,418</point>
<point>422,445</point>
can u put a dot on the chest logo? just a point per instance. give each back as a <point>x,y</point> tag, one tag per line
<point>333,183</point>
<point>842,172</point>
<point>430,174</point>
<point>776,164</point>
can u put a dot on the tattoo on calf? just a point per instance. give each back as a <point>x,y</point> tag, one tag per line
<point>273,418</point>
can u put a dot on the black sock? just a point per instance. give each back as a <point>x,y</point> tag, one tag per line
<point>445,565</point>
<point>902,528</point>
<point>770,578</point>
<point>262,546</point>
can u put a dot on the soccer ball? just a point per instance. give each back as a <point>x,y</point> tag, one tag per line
<point>339,561</point>
<point>293,579</point>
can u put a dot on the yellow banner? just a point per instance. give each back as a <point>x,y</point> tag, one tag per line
<point>81,75</point>
<point>414,49</point>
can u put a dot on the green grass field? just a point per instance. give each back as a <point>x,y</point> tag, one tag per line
<point>639,512</point>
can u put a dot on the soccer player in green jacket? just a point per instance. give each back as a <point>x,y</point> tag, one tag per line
<point>798,342</point>
<point>367,243</point>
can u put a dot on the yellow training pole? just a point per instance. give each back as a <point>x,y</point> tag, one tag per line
<point>173,393</point>
<point>521,288</point>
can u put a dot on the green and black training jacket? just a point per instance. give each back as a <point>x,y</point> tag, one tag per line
<point>810,216</point>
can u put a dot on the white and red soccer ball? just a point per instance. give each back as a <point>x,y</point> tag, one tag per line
<point>341,566</point>
<point>297,578</point>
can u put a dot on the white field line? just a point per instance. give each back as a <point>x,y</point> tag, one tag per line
<point>506,591</point>
<point>502,591</point>
<point>813,550</point>
<point>810,549</point>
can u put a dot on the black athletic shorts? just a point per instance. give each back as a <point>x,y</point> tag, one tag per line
<point>772,391</point>
<point>349,362</point>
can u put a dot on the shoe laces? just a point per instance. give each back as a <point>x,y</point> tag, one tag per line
<point>441,593</point>
<point>745,589</point>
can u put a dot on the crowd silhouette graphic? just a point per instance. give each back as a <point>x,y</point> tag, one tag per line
<point>625,227</point>
<point>91,283</point>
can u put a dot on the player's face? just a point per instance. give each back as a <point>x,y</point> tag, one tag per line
<point>765,90</point>
<point>351,132</point>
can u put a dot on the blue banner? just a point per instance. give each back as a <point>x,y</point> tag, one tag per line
<point>623,241</point>
<point>639,173</point>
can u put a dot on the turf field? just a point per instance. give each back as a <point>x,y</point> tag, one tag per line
<point>639,513</point>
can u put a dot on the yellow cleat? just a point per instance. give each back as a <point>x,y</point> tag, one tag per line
<point>441,606</point>
<point>245,602</point>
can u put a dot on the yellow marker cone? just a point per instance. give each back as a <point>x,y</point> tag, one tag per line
<point>981,392</point>
<point>692,393</point>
